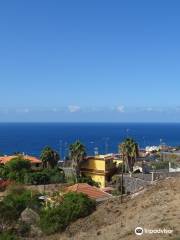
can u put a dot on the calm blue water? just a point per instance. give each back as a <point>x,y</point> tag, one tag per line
<point>32,137</point>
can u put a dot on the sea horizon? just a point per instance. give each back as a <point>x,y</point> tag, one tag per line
<point>31,137</point>
<point>92,122</point>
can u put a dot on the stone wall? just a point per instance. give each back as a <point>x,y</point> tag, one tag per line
<point>161,174</point>
<point>140,181</point>
<point>132,184</point>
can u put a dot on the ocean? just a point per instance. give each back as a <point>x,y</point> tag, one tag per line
<point>30,138</point>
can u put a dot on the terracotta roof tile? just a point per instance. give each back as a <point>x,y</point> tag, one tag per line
<point>33,160</point>
<point>92,192</point>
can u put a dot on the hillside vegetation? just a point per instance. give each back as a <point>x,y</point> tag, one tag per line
<point>156,207</point>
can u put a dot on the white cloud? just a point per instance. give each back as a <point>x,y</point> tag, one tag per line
<point>54,110</point>
<point>149,109</point>
<point>24,110</point>
<point>120,108</point>
<point>73,108</point>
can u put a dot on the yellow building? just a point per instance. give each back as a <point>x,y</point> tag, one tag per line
<point>100,168</point>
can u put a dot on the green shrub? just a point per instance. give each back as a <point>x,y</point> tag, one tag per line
<point>55,175</point>
<point>88,180</point>
<point>20,198</point>
<point>16,169</point>
<point>8,215</point>
<point>38,178</point>
<point>74,206</point>
<point>24,229</point>
<point>46,176</point>
<point>8,236</point>
<point>13,204</point>
<point>18,163</point>
<point>19,170</point>
<point>52,220</point>
<point>4,171</point>
<point>79,204</point>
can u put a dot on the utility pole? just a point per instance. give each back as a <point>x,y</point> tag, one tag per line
<point>122,175</point>
<point>60,149</point>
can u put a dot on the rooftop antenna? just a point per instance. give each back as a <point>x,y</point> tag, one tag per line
<point>91,149</point>
<point>106,145</point>
<point>144,142</point>
<point>96,151</point>
<point>127,132</point>
<point>65,150</point>
<point>60,148</point>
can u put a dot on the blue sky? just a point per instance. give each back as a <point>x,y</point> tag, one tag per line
<point>93,60</point>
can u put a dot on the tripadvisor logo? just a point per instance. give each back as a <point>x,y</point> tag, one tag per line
<point>139,231</point>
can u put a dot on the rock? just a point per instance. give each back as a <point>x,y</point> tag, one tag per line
<point>29,216</point>
<point>35,231</point>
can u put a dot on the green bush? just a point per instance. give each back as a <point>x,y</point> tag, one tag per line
<point>52,220</point>
<point>79,205</point>
<point>38,178</point>
<point>55,175</point>
<point>20,198</point>
<point>88,180</point>
<point>16,169</point>
<point>4,171</point>
<point>8,215</point>
<point>74,206</point>
<point>12,206</point>
<point>18,164</point>
<point>19,170</point>
<point>24,229</point>
<point>8,236</point>
<point>46,176</point>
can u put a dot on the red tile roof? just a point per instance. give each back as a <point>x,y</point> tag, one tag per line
<point>33,160</point>
<point>92,192</point>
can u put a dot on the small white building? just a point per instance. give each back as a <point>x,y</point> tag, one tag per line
<point>173,169</point>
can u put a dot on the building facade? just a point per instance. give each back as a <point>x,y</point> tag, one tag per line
<point>100,168</point>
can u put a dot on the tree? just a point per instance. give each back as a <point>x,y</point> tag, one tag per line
<point>17,168</point>
<point>18,164</point>
<point>129,151</point>
<point>49,157</point>
<point>77,153</point>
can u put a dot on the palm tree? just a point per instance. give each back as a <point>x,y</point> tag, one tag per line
<point>77,152</point>
<point>129,151</point>
<point>49,157</point>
